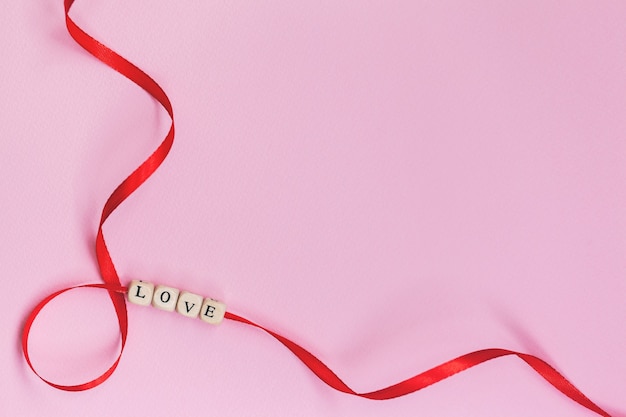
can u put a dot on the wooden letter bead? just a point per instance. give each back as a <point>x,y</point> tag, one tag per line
<point>165,297</point>
<point>140,293</point>
<point>189,304</point>
<point>212,311</point>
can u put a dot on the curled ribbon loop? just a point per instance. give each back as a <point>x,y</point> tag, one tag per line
<point>116,290</point>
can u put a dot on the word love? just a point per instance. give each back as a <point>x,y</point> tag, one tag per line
<point>169,299</point>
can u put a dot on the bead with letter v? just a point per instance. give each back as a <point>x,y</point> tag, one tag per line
<point>189,304</point>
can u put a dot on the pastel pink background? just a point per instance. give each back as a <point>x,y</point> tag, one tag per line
<point>389,183</point>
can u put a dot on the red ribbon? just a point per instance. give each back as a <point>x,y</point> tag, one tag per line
<point>116,290</point>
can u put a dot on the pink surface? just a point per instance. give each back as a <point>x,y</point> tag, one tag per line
<point>390,184</point>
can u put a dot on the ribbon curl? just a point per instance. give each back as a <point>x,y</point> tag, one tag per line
<point>116,290</point>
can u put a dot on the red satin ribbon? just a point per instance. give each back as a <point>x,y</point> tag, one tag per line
<point>116,290</point>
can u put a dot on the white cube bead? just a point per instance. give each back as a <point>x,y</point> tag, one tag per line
<point>189,304</point>
<point>140,293</point>
<point>212,311</point>
<point>165,297</point>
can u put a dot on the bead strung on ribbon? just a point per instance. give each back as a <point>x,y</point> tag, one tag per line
<point>193,305</point>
